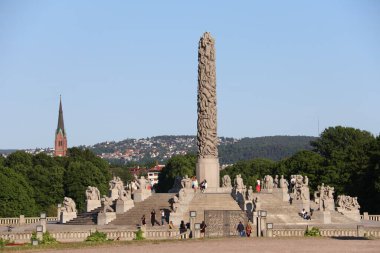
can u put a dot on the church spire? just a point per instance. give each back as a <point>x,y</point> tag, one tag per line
<point>61,125</point>
<point>60,147</point>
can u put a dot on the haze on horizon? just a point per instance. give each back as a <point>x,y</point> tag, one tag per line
<point>129,69</point>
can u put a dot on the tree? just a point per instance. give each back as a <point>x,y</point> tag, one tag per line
<point>48,186</point>
<point>79,175</point>
<point>346,151</point>
<point>250,171</point>
<point>16,195</point>
<point>179,165</point>
<point>19,161</point>
<point>305,163</point>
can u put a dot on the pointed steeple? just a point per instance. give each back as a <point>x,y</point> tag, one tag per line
<point>61,125</point>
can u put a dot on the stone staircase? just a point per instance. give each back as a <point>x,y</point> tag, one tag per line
<point>210,201</point>
<point>133,216</point>
<point>86,218</point>
<point>282,213</point>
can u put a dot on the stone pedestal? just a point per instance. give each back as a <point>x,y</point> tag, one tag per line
<point>282,194</point>
<point>21,220</point>
<point>92,204</point>
<point>176,218</point>
<point>123,205</point>
<point>141,194</point>
<point>105,218</point>
<point>224,189</point>
<point>65,217</point>
<point>324,216</point>
<point>43,224</point>
<point>302,204</point>
<point>114,194</point>
<point>208,168</point>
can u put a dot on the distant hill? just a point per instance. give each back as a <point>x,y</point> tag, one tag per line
<point>270,147</point>
<point>231,150</point>
<point>7,151</point>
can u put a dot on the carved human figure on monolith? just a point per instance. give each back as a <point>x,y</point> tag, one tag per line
<point>106,204</point>
<point>68,205</point>
<point>283,182</point>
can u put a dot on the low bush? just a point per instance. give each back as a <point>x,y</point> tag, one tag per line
<point>314,231</point>
<point>97,237</point>
<point>139,235</point>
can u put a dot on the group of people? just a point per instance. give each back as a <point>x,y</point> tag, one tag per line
<point>153,219</point>
<point>195,184</point>
<point>244,231</point>
<point>305,215</point>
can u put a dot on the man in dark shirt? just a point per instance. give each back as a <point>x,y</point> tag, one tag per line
<point>240,229</point>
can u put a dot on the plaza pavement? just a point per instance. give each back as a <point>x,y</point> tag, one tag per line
<point>237,245</point>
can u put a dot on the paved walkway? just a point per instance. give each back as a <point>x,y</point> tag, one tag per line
<point>237,245</point>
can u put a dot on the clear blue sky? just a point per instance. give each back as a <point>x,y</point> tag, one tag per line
<point>128,69</point>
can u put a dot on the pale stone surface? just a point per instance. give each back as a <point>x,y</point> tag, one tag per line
<point>268,183</point>
<point>105,217</point>
<point>348,206</point>
<point>106,204</point>
<point>67,216</point>
<point>207,139</point>
<point>208,168</point>
<point>300,188</point>
<point>324,198</point>
<point>323,216</point>
<point>123,205</point>
<point>281,193</point>
<point>226,181</point>
<point>92,204</point>
<point>141,194</point>
<point>68,205</point>
<point>283,182</point>
<point>186,182</point>
<point>92,193</point>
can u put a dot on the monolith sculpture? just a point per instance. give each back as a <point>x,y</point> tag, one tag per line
<point>207,139</point>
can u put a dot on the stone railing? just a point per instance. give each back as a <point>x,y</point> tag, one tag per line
<point>80,236</point>
<point>366,216</point>
<point>24,220</point>
<point>330,232</point>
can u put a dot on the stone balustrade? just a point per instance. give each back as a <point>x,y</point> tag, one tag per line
<point>339,232</point>
<point>24,220</point>
<point>80,236</point>
<point>366,216</point>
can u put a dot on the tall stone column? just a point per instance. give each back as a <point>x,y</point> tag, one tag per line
<point>207,139</point>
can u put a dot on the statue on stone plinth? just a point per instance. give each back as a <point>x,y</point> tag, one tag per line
<point>92,193</point>
<point>347,203</point>
<point>125,194</point>
<point>268,182</point>
<point>68,205</point>
<point>186,182</point>
<point>106,204</point>
<point>324,196</point>
<point>116,183</point>
<point>239,184</point>
<point>226,181</point>
<point>250,194</point>
<point>142,182</point>
<point>276,182</point>
<point>300,188</point>
<point>283,182</point>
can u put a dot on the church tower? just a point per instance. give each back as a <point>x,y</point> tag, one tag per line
<point>60,148</point>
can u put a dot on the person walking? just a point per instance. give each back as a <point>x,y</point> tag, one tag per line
<point>153,217</point>
<point>203,229</point>
<point>143,223</point>
<point>240,229</point>
<point>195,184</point>
<point>248,229</point>
<point>163,217</point>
